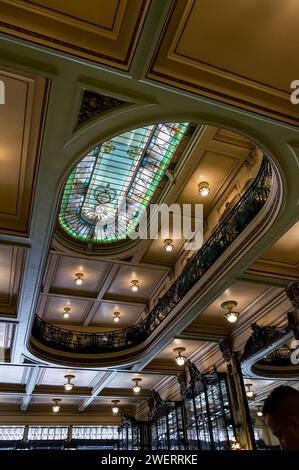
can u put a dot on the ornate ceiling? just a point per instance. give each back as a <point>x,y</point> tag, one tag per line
<point>74,78</point>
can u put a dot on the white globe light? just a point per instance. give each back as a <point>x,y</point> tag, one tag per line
<point>136,388</point>
<point>115,410</point>
<point>232,317</point>
<point>180,360</point>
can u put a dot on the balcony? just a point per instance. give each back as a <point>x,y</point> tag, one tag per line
<point>46,335</point>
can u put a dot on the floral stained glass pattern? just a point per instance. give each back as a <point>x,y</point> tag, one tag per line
<point>108,190</point>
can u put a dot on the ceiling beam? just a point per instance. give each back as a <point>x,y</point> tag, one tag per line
<point>31,382</point>
<point>102,383</point>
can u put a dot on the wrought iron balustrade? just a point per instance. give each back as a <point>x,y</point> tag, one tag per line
<point>232,225</point>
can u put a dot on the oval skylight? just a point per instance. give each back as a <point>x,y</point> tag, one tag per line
<point>107,191</point>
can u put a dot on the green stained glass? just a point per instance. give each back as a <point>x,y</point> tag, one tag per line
<point>107,191</point>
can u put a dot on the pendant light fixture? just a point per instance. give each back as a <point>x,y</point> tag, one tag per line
<point>115,408</point>
<point>136,386</point>
<point>230,315</point>
<point>168,245</point>
<point>68,386</point>
<point>180,360</point>
<point>56,407</point>
<point>135,285</point>
<point>66,312</point>
<point>79,279</point>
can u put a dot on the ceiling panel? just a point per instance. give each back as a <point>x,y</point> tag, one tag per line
<point>190,346</point>
<point>20,122</point>
<point>64,275</point>
<point>243,292</point>
<point>198,51</point>
<point>106,32</point>
<point>11,271</point>
<point>53,309</point>
<point>44,400</point>
<point>286,249</point>
<point>104,314</point>
<point>11,374</point>
<point>83,378</point>
<point>123,380</point>
<point>148,280</point>
<point>9,400</point>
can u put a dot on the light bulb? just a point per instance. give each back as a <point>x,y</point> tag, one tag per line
<point>180,360</point>
<point>134,285</point>
<point>232,317</point>
<point>115,408</point>
<point>56,407</point>
<point>136,388</point>
<point>116,317</point>
<point>249,392</point>
<point>79,279</point>
<point>168,245</point>
<point>66,312</point>
<point>68,386</point>
<point>259,413</point>
<point>203,188</point>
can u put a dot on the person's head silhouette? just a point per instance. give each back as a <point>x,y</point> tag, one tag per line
<point>281,411</point>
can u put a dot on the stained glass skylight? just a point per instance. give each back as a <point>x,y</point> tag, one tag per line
<point>107,191</point>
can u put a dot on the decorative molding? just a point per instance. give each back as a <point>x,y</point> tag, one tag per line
<point>261,338</point>
<point>94,104</point>
<point>110,39</point>
<point>293,294</point>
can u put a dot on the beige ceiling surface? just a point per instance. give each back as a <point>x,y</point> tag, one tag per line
<point>123,380</point>
<point>282,259</point>
<point>53,308</point>
<point>103,31</point>
<point>148,280</point>
<point>11,270</point>
<point>286,249</point>
<point>224,50</point>
<point>245,293</point>
<point>216,157</point>
<point>190,348</point>
<point>20,123</point>
<point>64,271</point>
<point>83,378</point>
<point>104,314</point>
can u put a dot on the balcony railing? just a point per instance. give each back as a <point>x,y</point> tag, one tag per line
<point>232,225</point>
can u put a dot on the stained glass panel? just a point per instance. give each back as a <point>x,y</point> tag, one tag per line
<point>107,192</point>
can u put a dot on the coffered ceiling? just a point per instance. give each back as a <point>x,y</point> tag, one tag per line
<point>225,51</point>
<point>107,32</point>
<point>11,272</point>
<point>21,132</point>
<point>53,53</point>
